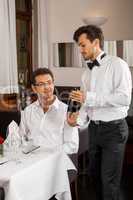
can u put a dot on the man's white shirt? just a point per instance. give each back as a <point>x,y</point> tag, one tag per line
<point>108,89</point>
<point>49,129</point>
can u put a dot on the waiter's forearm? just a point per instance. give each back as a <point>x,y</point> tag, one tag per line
<point>113,99</point>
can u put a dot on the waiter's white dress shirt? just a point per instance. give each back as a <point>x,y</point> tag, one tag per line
<point>49,129</point>
<point>108,89</point>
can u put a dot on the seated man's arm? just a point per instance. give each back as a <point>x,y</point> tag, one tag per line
<point>71,139</point>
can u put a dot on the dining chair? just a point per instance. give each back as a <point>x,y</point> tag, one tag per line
<point>5,118</point>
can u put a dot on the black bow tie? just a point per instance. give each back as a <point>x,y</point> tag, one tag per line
<point>95,62</point>
<point>92,64</point>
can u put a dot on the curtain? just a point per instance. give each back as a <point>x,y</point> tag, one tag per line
<point>8,53</point>
<point>110,47</point>
<point>128,51</point>
<point>42,33</point>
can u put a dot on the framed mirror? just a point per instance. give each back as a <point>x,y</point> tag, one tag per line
<point>67,54</point>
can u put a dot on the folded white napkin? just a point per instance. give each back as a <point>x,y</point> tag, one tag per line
<point>13,134</point>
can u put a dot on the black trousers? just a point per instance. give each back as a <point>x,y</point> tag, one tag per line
<point>53,198</point>
<point>2,193</point>
<point>106,151</point>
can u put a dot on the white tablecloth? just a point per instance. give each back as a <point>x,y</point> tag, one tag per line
<point>39,176</point>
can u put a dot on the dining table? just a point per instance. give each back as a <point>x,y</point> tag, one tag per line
<point>37,175</point>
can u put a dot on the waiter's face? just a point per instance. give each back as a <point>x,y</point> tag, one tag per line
<point>87,48</point>
<point>44,85</point>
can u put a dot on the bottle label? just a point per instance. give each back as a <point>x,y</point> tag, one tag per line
<point>73,106</point>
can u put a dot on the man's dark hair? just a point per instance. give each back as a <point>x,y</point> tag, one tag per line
<point>41,71</point>
<point>92,32</point>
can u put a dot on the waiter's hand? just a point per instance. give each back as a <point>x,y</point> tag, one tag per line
<point>77,95</point>
<point>72,118</point>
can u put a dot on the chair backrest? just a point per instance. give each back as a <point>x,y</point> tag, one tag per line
<point>72,173</point>
<point>6,118</point>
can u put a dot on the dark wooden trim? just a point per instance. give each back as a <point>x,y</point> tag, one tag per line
<point>29,46</point>
<point>119,44</point>
<point>27,16</point>
<point>22,14</point>
<point>28,10</point>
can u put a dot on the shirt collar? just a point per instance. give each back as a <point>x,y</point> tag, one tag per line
<point>98,58</point>
<point>55,104</point>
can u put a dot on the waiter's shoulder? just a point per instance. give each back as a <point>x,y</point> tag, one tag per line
<point>117,62</point>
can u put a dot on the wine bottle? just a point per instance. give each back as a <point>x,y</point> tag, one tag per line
<point>73,106</point>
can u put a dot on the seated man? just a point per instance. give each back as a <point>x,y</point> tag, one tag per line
<point>46,121</point>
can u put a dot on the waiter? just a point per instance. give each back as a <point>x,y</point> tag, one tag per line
<point>105,97</point>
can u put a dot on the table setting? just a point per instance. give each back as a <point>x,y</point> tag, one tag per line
<point>33,172</point>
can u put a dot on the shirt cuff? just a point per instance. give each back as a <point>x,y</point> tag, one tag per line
<point>69,129</point>
<point>70,148</point>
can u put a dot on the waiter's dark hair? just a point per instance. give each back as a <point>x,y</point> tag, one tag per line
<point>41,71</point>
<point>92,32</point>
